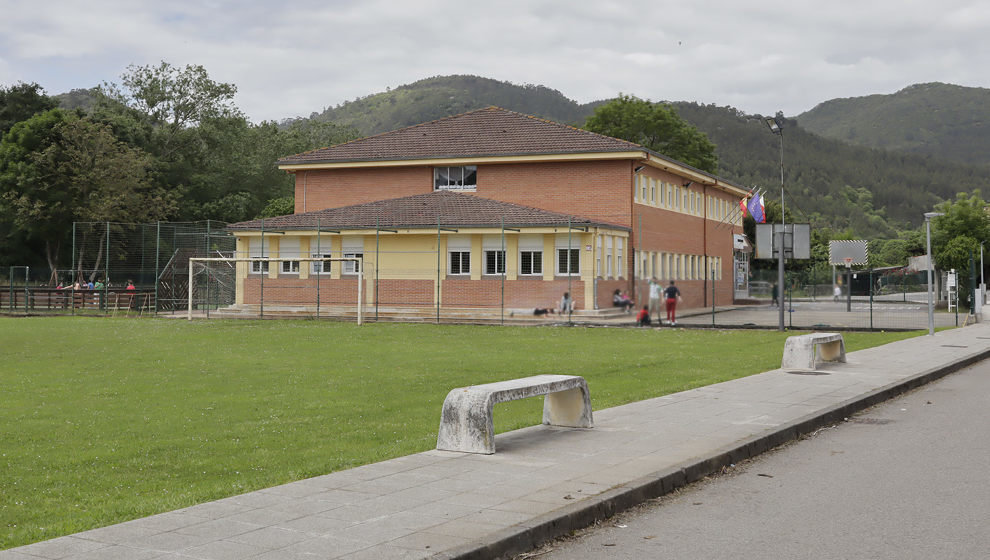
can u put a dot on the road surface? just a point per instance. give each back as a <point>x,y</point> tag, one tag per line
<point>908,479</point>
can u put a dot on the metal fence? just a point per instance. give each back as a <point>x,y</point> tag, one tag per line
<point>889,299</point>
<point>117,268</point>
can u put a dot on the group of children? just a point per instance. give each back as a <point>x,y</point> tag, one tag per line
<point>90,285</point>
<point>671,295</point>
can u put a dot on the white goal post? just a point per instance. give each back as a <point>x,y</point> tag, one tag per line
<point>358,263</point>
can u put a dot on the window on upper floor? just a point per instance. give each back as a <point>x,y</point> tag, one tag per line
<point>455,178</point>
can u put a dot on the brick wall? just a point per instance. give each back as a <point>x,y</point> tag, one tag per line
<point>394,292</point>
<point>599,190</point>
<point>333,188</point>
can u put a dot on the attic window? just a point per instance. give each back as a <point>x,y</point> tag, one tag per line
<point>455,178</point>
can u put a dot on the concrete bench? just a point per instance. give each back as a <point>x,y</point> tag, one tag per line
<point>799,351</point>
<point>466,420</point>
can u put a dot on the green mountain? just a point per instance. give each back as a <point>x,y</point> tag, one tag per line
<point>828,182</point>
<point>943,120</point>
<point>442,96</point>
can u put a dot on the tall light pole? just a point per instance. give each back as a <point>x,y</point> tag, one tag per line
<point>775,129</point>
<point>928,249</point>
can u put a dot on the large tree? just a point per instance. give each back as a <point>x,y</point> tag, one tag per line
<point>57,168</point>
<point>958,234</point>
<point>21,102</point>
<point>656,126</point>
<point>174,100</point>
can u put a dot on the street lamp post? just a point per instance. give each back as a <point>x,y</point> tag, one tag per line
<point>775,129</point>
<point>928,253</point>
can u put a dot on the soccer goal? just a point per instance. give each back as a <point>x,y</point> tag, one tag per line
<point>215,279</point>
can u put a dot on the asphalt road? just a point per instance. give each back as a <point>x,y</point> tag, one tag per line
<point>908,479</point>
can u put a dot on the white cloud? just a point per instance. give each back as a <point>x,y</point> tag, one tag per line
<point>295,58</point>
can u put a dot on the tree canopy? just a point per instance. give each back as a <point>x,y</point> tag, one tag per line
<point>655,126</point>
<point>166,144</point>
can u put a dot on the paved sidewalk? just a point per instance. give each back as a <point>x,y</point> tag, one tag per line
<point>541,482</point>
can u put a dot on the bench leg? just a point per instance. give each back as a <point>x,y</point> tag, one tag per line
<point>798,354</point>
<point>571,408</point>
<point>832,351</point>
<point>466,424</point>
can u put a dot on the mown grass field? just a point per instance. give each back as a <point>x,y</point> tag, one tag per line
<point>105,420</point>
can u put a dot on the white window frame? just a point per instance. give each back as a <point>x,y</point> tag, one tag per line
<point>288,247</point>
<point>608,256</point>
<point>499,262</point>
<point>462,270</point>
<point>352,249</point>
<point>535,262</point>
<point>321,267</point>
<point>465,172</point>
<point>620,263</point>
<point>258,247</point>
<point>568,261</point>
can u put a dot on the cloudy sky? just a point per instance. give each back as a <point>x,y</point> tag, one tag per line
<point>291,58</point>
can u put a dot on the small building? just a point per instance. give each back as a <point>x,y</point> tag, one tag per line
<point>494,208</point>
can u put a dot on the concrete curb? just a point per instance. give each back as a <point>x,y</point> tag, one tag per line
<point>534,533</point>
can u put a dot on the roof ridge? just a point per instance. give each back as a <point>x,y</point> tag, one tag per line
<point>395,130</point>
<point>567,126</point>
<point>452,118</point>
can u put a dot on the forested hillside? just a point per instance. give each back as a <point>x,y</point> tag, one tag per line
<point>442,96</point>
<point>827,182</point>
<point>830,183</point>
<point>943,120</point>
<point>192,161</point>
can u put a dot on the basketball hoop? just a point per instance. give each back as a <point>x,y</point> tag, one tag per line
<point>848,261</point>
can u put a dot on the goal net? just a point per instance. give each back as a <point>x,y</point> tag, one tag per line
<point>271,286</point>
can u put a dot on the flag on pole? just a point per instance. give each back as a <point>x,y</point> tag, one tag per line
<point>756,209</point>
<point>742,206</point>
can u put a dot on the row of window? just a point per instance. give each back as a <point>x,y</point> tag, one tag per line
<point>677,266</point>
<point>316,267</point>
<point>530,255</point>
<point>530,262</point>
<point>653,192</point>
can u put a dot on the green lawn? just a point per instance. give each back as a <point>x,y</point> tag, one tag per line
<point>105,420</point>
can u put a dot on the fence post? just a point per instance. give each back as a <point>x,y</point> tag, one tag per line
<point>261,309</point>
<point>158,244</point>
<point>73,272</point>
<point>713,297</point>
<point>871,298</point>
<point>319,253</point>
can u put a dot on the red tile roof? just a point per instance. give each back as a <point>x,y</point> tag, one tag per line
<point>492,131</point>
<point>452,209</point>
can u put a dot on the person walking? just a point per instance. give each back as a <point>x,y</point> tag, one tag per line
<point>672,295</point>
<point>655,289</point>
